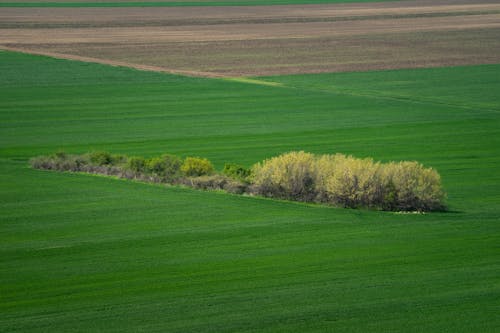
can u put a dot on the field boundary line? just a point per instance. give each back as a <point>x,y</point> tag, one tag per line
<point>140,67</point>
<point>147,68</point>
<point>250,80</point>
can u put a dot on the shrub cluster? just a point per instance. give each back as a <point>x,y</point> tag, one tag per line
<point>332,179</point>
<point>349,182</point>
<point>166,168</point>
<point>237,172</point>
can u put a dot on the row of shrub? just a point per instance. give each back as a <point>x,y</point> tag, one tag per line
<point>332,179</point>
<point>350,182</point>
<point>170,169</point>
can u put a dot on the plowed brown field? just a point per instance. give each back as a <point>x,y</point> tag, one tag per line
<point>264,40</point>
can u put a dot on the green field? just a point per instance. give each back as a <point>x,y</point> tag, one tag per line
<point>174,3</point>
<point>86,253</point>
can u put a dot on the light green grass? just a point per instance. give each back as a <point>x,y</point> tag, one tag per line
<point>85,253</point>
<point>175,3</point>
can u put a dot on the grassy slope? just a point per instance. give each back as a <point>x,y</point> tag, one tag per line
<point>175,3</point>
<point>85,253</point>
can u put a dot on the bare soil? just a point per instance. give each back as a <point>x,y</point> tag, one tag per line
<point>235,41</point>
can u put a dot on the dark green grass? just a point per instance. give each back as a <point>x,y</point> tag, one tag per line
<point>87,253</point>
<point>177,3</point>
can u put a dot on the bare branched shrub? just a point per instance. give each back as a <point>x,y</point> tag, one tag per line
<point>59,161</point>
<point>215,182</point>
<point>41,162</point>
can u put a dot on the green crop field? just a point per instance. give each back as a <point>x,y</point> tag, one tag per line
<point>82,253</point>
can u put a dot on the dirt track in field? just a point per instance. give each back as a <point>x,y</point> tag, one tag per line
<point>234,41</point>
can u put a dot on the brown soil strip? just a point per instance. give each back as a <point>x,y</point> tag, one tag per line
<point>109,17</point>
<point>307,55</point>
<point>182,22</point>
<point>235,41</point>
<point>233,32</point>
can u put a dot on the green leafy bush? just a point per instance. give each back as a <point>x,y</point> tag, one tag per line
<point>136,164</point>
<point>100,158</point>
<point>196,166</point>
<point>119,160</point>
<point>155,165</point>
<point>172,166</point>
<point>167,166</point>
<point>236,171</point>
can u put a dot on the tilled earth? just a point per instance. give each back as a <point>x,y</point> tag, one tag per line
<point>263,40</point>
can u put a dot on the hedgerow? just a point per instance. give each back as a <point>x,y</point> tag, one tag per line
<point>337,180</point>
<point>350,182</point>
